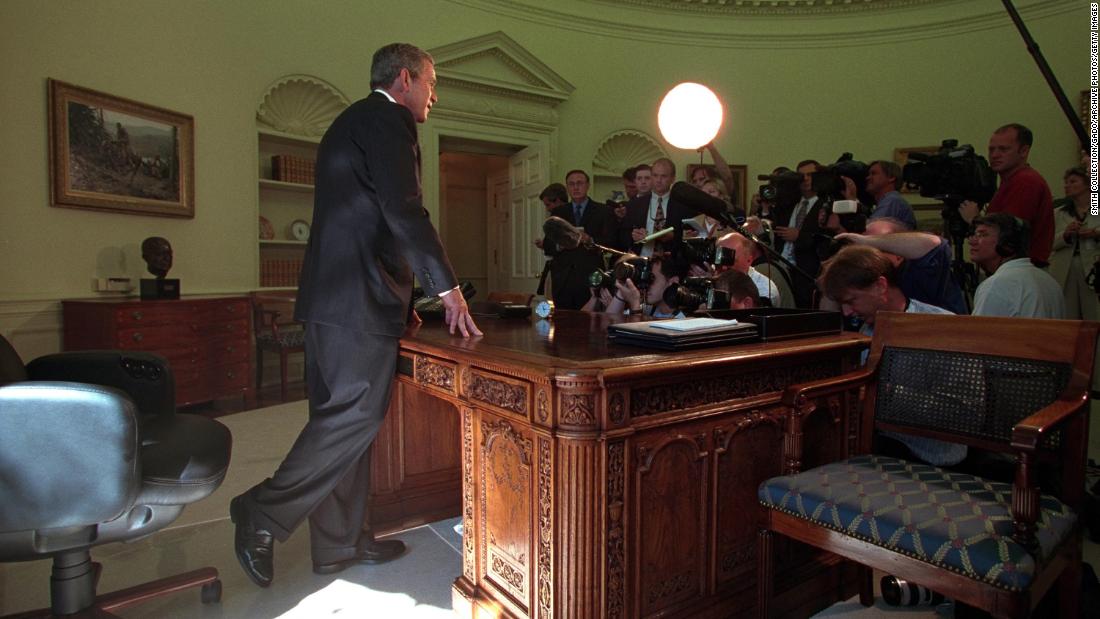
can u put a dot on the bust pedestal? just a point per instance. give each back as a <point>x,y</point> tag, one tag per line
<point>152,289</point>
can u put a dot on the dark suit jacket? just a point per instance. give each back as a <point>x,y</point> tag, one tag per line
<point>370,231</point>
<point>806,256</point>
<point>598,220</point>
<point>637,212</point>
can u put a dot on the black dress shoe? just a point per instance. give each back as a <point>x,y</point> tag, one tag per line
<point>371,552</point>
<point>254,546</point>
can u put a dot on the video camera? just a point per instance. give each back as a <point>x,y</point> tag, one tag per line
<point>637,269</point>
<point>702,251</point>
<point>783,189</point>
<point>828,182</point>
<point>692,292</point>
<point>955,173</point>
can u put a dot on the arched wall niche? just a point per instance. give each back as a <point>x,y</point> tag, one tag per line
<point>300,105</point>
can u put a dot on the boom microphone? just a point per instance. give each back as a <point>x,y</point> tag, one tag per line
<point>561,234</point>
<point>564,236</point>
<point>699,201</point>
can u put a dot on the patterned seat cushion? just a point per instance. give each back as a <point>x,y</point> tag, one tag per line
<point>952,520</point>
<point>286,339</point>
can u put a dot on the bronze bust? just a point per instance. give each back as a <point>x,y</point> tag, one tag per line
<point>157,253</point>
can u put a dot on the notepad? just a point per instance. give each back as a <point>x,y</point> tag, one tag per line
<point>656,235</point>
<point>691,324</point>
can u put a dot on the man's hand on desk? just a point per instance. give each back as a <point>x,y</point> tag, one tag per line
<point>458,315</point>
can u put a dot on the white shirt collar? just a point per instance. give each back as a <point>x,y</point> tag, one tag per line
<point>386,94</point>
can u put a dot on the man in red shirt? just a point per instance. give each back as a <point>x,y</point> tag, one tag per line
<point>1022,191</point>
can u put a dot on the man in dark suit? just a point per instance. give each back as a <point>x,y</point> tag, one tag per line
<point>651,212</point>
<point>370,236</point>
<point>595,218</point>
<point>796,235</point>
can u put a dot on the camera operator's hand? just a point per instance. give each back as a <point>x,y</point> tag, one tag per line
<point>458,314</point>
<point>1072,229</point>
<point>789,235</point>
<point>538,243</point>
<point>629,294</point>
<point>969,210</point>
<point>754,224</point>
<point>637,234</point>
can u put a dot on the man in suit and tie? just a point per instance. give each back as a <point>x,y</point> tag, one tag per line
<point>796,240</point>
<point>596,219</point>
<point>370,236</point>
<point>649,213</point>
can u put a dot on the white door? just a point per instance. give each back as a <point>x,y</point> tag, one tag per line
<point>520,261</point>
<point>499,227</point>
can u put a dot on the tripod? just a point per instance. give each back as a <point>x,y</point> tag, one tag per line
<point>957,230</point>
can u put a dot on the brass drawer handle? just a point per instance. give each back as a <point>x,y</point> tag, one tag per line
<point>138,336</point>
<point>136,315</point>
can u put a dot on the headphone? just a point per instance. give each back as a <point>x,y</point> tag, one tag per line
<point>1013,235</point>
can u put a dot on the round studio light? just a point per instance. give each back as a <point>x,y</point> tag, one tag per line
<point>690,116</point>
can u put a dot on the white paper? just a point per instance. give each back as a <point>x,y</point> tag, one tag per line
<point>692,324</point>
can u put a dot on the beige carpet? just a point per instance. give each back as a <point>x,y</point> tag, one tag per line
<point>261,438</point>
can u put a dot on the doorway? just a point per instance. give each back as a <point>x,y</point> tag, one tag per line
<point>490,212</point>
<point>473,199</point>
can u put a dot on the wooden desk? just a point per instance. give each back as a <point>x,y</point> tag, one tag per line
<point>600,480</point>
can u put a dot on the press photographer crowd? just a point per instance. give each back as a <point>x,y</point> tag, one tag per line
<point>839,236</point>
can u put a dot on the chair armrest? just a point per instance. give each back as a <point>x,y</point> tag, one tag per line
<point>796,398</point>
<point>145,377</point>
<point>1027,434</point>
<point>68,455</point>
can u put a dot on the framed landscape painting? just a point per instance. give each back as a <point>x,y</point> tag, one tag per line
<point>113,154</point>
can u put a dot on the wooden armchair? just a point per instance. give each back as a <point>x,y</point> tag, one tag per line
<point>1002,385</point>
<point>276,331</point>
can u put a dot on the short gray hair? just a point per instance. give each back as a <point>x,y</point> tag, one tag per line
<point>892,169</point>
<point>388,61</point>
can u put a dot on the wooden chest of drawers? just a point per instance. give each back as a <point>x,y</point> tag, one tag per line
<point>206,339</point>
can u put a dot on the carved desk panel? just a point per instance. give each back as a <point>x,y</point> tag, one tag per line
<point>600,480</point>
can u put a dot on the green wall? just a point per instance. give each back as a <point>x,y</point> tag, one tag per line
<point>795,87</point>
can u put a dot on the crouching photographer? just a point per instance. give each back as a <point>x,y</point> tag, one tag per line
<point>640,283</point>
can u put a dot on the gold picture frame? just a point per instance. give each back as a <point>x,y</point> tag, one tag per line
<point>113,154</point>
<point>738,193</point>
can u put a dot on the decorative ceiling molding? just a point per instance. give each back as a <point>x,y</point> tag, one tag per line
<point>774,24</point>
<point>495,64</point>
<point>771,7</point>
<point>625,148</point>
<point>300,105</point>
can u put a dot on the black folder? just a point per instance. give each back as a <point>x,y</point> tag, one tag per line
<point>650,335</point>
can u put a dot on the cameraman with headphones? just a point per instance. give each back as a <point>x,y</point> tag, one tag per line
<point>1015,287</point>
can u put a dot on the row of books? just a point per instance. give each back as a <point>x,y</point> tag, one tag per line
<point>280,272</point>
<point>292,169</point>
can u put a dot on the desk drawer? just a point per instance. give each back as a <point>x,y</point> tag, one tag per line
<point>226,328</point>
<point>156,338</point>
<point>160,314</point>
<point>229,350</point>
<point>225,378</point>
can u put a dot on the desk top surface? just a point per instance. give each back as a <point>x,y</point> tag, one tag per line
<point>578,340</point>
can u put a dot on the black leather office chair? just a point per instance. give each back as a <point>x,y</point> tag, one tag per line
<point>92,452</point>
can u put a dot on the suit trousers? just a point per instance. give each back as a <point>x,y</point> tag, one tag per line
<point>325,476</point>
